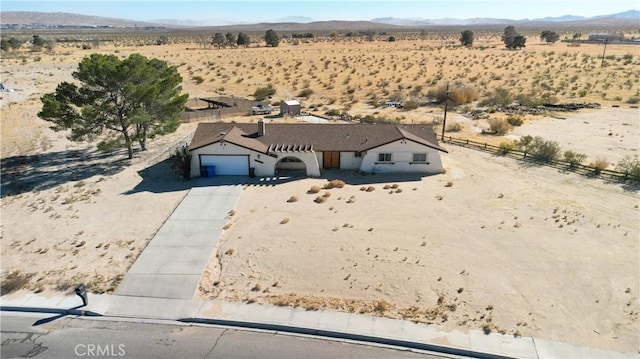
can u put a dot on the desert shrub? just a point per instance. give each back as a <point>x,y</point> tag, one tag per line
<point>14,281</point>
<point>515,120</point>
<point>574,158</point>
<point>486,329</point>
<point>533,100</point>
<point>292,199</point>
<point>499,126</point>
<point>374,119</point>
<point>182,162</point>
<point>284,221</point>
<point>333,112</point>
<point>370,189</point>
<point>630,165</point>
<point>633,100</point>
<point>544,151</point>
<point>382,306</point>
<point>334,184</point>
<point>505,148</point>
<point>262,93</point>
<point>454,127</point>
<point>499,97</point>
<point>457,96</point>
<point>305,93</point>
<point>314,189</point>
<point>197,79</point>
<point>320,199</point>
<point>599,164</point>
<point>524,142</point>
<point>411,105</point>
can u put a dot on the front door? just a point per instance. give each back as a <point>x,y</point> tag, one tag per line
<point>331,160</point>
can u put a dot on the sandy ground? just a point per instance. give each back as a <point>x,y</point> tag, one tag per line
<point>525,250</point>
<point>540,253</point>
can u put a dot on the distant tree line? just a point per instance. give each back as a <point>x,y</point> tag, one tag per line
<point>307,35</point>
<point>230,39</point>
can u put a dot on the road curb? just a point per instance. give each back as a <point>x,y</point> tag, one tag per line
<point>346,336</point>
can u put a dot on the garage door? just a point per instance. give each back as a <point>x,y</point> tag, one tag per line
<point>227,165</point>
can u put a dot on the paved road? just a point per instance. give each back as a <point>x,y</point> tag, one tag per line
<point>173,262</point>
<point>78,337</point>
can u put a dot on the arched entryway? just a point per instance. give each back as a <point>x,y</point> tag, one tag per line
<point>291,166</point>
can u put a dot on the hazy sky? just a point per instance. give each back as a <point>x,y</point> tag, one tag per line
<point>256,11</point>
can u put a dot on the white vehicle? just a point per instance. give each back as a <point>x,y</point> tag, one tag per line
<point>261,110</point>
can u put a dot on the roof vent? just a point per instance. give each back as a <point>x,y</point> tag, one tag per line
<point>222,133</point>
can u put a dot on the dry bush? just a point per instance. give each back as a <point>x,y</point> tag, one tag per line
<point>292,199</point>
<point>370,189</point>
<point>386,186</point>
<point>457,96</point>
<point>284,221</point>
<point>334,184</point>
<point>320,199</point>
<point>314,189</point>
<point>454,127</point>
<point>599,164</point>
<point>383,306</point>
<point>449,184</point>
<point>326,194</point>
<point>14,281</point>
<point>499,126</point>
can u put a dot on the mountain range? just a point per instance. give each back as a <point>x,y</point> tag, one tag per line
<point>631,14</point>
<point>297,23</point>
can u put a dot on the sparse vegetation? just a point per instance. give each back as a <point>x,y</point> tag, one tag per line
<point>630,165</point>
<point>499,126</point>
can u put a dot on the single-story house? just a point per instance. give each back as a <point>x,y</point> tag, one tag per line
<point>290,107</point>
<point>263,150</point>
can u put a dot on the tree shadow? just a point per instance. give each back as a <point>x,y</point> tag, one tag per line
<point>43,171</point>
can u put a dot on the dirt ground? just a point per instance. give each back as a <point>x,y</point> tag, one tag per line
<point>521,249</point>
<point>555,255</point>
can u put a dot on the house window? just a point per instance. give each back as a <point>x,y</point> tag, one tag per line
<point>419,157</point>
<point>384,157</point>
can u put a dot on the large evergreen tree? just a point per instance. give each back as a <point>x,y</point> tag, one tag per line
<point>230,39</point>
<point>135,97</point>
<point>549,36</point>
<point>466,38</point>
<point>511,38</point>
<point>218,39</point>
<point>243,39</point>
<point>271,38</point>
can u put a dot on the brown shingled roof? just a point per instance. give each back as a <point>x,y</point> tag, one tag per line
<point>323,137</point>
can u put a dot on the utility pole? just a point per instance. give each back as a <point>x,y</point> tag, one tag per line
<point>606,40</point>
<point>446,105</point>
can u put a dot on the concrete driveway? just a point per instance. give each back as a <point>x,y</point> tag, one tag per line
<point>173,262</point>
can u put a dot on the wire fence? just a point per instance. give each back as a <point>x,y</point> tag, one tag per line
<point>556,163</point>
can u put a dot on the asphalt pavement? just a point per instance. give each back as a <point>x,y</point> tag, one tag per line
<point>76,337</point>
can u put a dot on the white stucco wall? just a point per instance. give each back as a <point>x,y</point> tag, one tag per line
<point>349,161</point>
<point>266,168</point>
<point>402,158</point>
